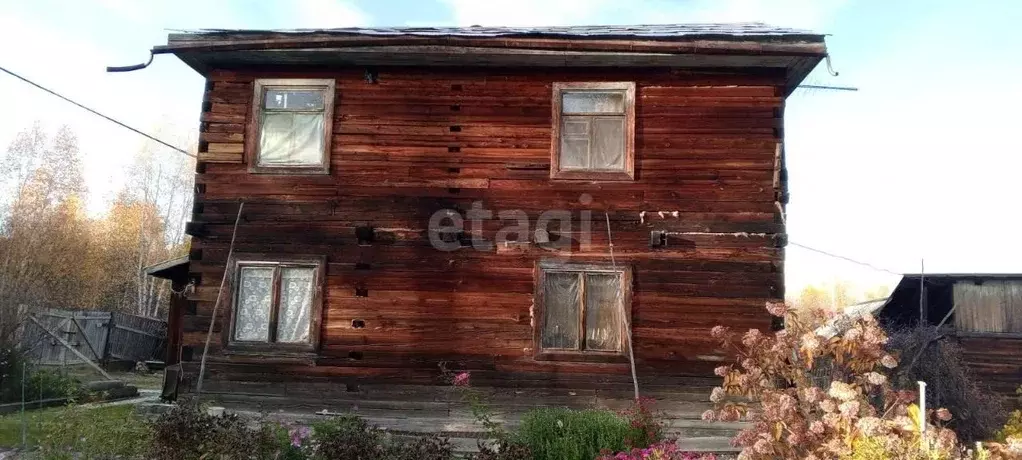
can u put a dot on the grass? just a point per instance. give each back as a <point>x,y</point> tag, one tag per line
<point>150,381</point>
<point>104,429</point>
<point>564,434</point>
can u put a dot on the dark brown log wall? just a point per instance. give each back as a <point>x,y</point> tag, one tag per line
<point>706,171</point>
<point>995,361</point>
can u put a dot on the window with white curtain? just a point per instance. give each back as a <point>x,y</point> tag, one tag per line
<point>276,302</point>
<point>582,309</point>
<point>594,125</point>
<point>293,122</point>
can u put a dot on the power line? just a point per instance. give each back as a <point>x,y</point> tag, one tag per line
<point>847,259</point>
<point>147,136</point>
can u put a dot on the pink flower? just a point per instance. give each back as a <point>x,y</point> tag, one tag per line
<point>889,362</point>
<point>849,408</point>
<point>722,371</point>
<point>717,394</point>
<point>762,447</point>
<point>810,342</point>
<point>817,427</point>
<point>870,426</point>
<point>298,435</point>
<point>787,403</point>
<point>876,378</point>
<point>813,394</point>
<point>842,391</point>
<point>943,414</point>
<point>461,380</point>
<point>777,308</point>
<point>752,338</point>
<point>718,332</point>
<point>709,416</point>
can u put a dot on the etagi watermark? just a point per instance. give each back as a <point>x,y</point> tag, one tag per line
<point>553,230</point>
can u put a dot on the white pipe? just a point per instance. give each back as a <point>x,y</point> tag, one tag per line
<point>922,414</point>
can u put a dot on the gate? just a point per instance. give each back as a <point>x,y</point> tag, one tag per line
<point>99,336</point>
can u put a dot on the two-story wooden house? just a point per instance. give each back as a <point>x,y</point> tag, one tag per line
<point>416,196</point>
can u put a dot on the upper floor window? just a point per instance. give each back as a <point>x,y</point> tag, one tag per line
<point>277,302</point>
<point>594,131</point>
<point>291,126</point>
<point>581,310</point>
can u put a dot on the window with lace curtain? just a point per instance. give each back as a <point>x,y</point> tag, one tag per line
<point>291,125</point>
<point>276,302</point>
<point>593,132</point>
<point>581,310</point>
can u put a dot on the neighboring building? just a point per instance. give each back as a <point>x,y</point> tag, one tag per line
<point>983,312</point>
<point>354,151</point>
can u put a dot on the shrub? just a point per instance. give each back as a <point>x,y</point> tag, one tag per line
<point>429,447</point>
<point>795,418</point>
<point>39,383</point>
<point>978,413</point>
<point>565,434</point>
<point>503,449</point>
<point>188,432</point>
<point>646,426</point>
<point>350,437</point>
<point>1012,429</point>
<point>347,437</point>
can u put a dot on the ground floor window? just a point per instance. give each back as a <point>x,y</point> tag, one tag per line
<point>277,301</point>
<point>581,309</point>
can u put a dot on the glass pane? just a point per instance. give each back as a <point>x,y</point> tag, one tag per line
<point>603,311</point>
<point>592,102</point>
<point>294,99</point>
<point>291,139</point>
<point>574,142</point>
<point>561,310</point>
<point>296,291</point>
<point>608,151</point>
<point>252,318</point>
<point>575,126</point>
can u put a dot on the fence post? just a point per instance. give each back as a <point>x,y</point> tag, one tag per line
<point>24,424</point>
<point>106,338</point>
<point>922,415</point>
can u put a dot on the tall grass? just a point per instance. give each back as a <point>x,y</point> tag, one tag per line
<point>565,434</point>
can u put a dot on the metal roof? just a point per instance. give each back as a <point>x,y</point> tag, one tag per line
<point>168,269</point>
<point>649,31</point>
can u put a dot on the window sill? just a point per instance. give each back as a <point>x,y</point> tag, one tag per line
<point>582,356</point>
<point>593,175</point>
<point>290,170</point>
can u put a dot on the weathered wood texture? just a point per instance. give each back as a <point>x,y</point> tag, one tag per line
<point>704,172</point>
<point>995,361</point>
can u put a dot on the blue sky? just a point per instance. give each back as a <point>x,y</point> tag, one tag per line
<point>922,162</point>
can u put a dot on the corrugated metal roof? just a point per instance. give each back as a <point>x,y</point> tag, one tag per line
<point>848,315</point>
<point>652,31</point>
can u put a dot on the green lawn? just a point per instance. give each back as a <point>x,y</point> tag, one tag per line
<point>100,430</point>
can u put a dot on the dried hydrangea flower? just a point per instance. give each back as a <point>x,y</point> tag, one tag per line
<point>876,378</point>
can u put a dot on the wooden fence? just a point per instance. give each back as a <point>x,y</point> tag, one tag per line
<point>100,336</point>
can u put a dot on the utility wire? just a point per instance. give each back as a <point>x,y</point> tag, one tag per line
<point>847,259</point>
<point>119,123</point>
